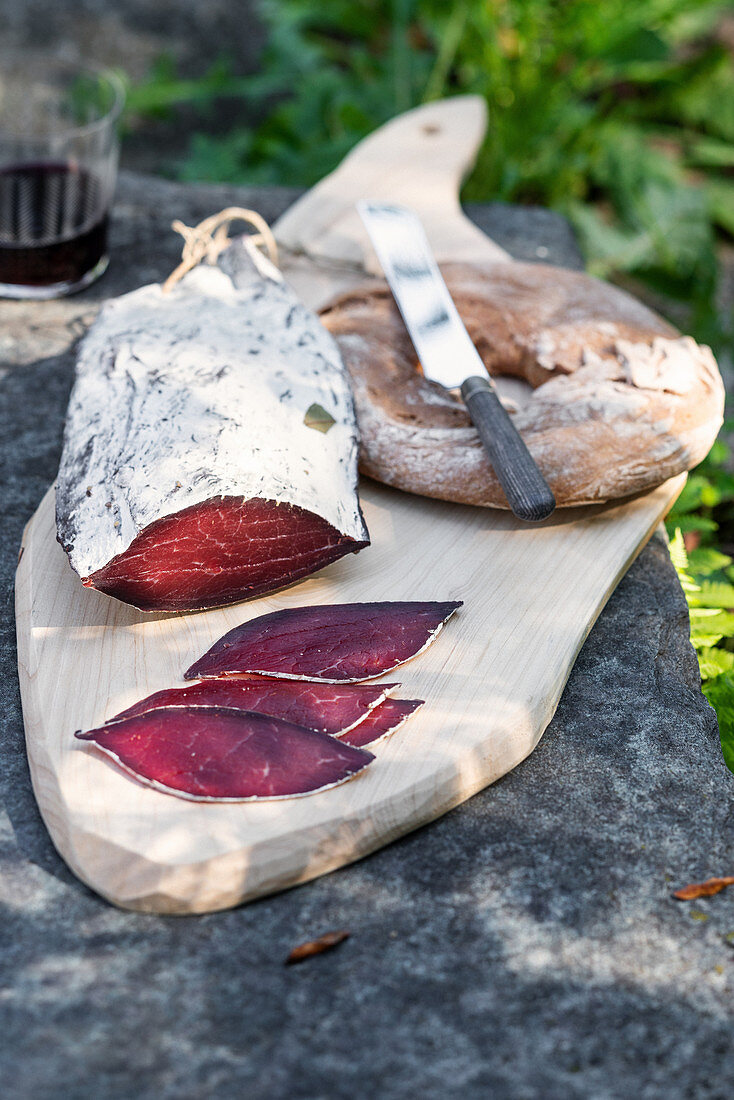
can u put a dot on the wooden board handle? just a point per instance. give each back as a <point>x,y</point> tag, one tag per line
<point>419,160</point>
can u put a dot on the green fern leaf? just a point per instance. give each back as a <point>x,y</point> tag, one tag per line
<point>709,625</point>
<point>694,522</point>
<point>715,594</point>
<point>720,694</point>
<point>712,662</point>
<point>705,560</point>
<point>679,558</point>
<point>678,553</point>
<point>701,640</point>
<point>712,619</point>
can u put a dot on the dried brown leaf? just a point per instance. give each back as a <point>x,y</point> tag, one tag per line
<point>703,889</point>
<point>316,947</point>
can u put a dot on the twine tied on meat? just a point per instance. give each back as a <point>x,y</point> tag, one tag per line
<point>205,241</point>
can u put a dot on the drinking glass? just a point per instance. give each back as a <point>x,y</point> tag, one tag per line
<point>59,147</point>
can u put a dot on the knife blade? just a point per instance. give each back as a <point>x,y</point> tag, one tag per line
<point>447,354</point>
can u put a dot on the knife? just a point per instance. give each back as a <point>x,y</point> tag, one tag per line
<point>447,354</point>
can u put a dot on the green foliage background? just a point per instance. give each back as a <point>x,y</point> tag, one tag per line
<point>619,115</point>
<point>704,516</point>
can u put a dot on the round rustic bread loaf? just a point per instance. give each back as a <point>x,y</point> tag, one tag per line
<point>620,401</point>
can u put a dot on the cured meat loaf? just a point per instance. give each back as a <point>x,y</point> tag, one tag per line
<point>190,477</point>
<point>620,401</point>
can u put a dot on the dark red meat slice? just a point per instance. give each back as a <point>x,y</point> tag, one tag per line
<point>216,553</point>
<point>381,721</point>
<point>218,754</point>
<point>332,642</point>
<point>328,708</point>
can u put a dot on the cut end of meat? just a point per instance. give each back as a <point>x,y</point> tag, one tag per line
<point>219,552</point>
<point>221,755</point>
<point>336,643</point>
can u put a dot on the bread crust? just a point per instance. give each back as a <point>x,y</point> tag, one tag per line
<point>620,401</point>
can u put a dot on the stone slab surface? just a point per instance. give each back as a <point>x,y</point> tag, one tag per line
<point>526,945</point>
<point>133,36</point>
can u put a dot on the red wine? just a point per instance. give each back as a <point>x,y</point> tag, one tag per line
<point>53,224</point>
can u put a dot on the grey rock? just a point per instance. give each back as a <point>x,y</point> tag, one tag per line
<point>132,36</point>
<point>524,946</point>
<point>529,233</point>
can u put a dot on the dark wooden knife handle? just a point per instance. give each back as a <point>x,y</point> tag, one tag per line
<point>527,491</point>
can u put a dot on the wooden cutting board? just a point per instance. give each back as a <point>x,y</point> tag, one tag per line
<point>491,681</point>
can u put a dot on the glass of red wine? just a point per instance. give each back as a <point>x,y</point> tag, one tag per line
<point>59,147</point>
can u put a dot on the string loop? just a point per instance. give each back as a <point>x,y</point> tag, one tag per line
<point>205,241</point>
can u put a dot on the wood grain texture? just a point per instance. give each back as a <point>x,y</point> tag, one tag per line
<point>419,159</point>
<point>491,681</point>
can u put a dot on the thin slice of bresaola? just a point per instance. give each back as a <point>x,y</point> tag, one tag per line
<point>328,708</point>
<point>381,722</point>
<point>336,643</point>
<point>217,754</point>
